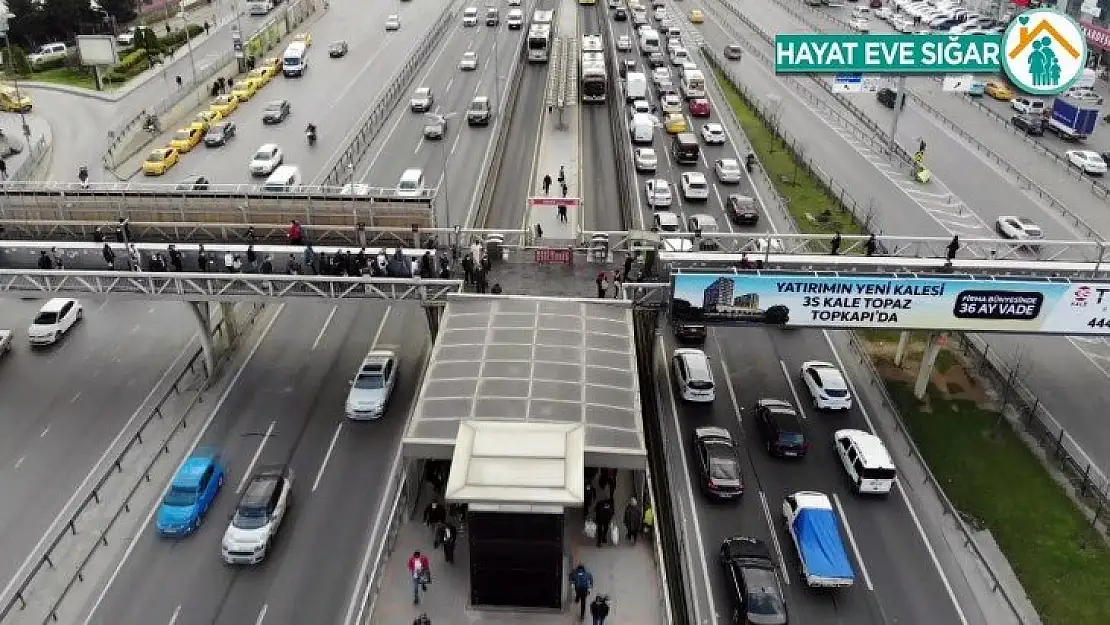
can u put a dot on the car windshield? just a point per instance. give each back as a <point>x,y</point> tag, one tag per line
<point>156,157</point>
<point>46,318</point>
<point>273,107</point>
<point>180,496</point>
<point>263,155</point>
<point>791,438</point>
<point>722,464</point>
<point>763,593</point>
<point>370,381</point>
<point>250,517</point>
<point>697,184</point>
<point>421,93</point>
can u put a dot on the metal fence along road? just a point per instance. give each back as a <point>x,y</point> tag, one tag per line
<point>342,170</point>
<point>27,168</point>
<point>61,562</point>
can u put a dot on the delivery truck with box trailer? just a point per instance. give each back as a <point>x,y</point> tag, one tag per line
<point>1072,120</point>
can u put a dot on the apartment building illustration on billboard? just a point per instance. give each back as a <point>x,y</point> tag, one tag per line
<point>720,302</point>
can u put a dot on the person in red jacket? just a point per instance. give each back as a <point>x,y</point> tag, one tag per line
<point>421,573</point>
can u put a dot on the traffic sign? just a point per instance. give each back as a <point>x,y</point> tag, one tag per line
<point>959,83</point>
<point>848,83</point>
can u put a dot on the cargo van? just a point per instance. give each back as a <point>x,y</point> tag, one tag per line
<point>635,86</point>
<point>285,179</point>
<point>692,84</point>
<point>411,183</point>
<point>515,19</point>
<point>685,147</point>
<point>679,56</point>
<point>295,60</point>
<point>642,128</point>
<point>261,7</point>
<point>649,41</point>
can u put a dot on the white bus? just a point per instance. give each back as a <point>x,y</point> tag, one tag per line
<point>539,42</point>
<point>595,81</point>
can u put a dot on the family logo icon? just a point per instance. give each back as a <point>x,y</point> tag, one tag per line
<point>1045,52</point>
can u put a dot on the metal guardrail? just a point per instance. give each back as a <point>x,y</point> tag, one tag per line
<point>26,169</point>
<point>876,381</point>
<point>343,168</point>
<point>628,184</point>
<point>18,602</point>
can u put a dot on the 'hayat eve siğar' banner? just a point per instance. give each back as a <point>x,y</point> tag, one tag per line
<point>985,305</point>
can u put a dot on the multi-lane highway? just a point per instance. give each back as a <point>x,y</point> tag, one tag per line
<point>64,405</point>
<point>454,163</point>
<point>339,467</point>
<point>332,94</point>
<point>1067,374</point>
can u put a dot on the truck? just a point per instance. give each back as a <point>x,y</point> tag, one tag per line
<point>1072,120</point>
<point>812,524</point>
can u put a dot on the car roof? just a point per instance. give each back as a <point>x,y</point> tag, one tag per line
<point>695,359</point>
<point>729,161</point>
<point>831,377</point>
<point>375,360</point>
<point>702,218</point>
<point>192,470</point>
<point>267,147</point>
<point>55,304</point>
<point>694,176</point>
<point>259,490</point>
<point>666,218</point>
<point>710,433</point>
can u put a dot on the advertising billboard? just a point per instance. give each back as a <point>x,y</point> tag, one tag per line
<point>804,300</point>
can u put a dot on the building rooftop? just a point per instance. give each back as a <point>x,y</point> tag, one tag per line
<point>533,360</point>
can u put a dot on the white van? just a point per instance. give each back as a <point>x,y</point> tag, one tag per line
<point>635,86</point>
<point>642,128</point>
<point>411,183</point>
<point>261,7</point>
<point>295,60</point>
<point>649,41</point>
<point>515,19</point>
<point>866,460</point>
<point>48,52</point>
<point>692,84</point>
<point>285,179</point>
<point>679,56</point>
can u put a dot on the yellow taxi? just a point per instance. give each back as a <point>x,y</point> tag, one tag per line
<point>696,16</point>
<point>160,161</point>
<point>224,105</point>
<point>675,123</point>
<point>186,139</point>
<point>261,74</point>
<point>14,101</point>
<point>272,66</point>
<point>245,88</point>
<point>305,38</point>
<point>999,91</point>
<point>207,117</point>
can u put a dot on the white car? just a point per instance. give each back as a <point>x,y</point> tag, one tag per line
<point>257,517</point>
<point>670,103</point>
<point>713,134</point>
<point>692,373</point>
<point>624,43</point>
<point>421,100</point>
<point>5,341</point>
<point>372,386</point>
<point>646,159</point>
<point>53,320</point>
<point>659,14</point>
<point>469,61</point>
<point>639,107</point>
<point>695,186</point>
<point>667,221</point>
<point>826,385</point>
<point>266,159</point>
<point>860,24</point>
<point>658,193</point>
<point>393,22</point>
<point>727,170</point>
<point>660,74</point>
<point>357,188</point>
<point>902,24</point>
<point>1018,228</point>
<point>1089,162</point>
<point>470,16</point>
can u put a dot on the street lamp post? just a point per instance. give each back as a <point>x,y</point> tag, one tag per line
<point>189,41</point>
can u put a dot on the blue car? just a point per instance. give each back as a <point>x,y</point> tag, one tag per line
<point>191,494</point>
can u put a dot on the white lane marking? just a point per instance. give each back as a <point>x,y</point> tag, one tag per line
<point>402,111</point>
<point>852,542</point>
<point>774,537</point>
<point>324,329</point>
<point>381,327</point>
<point>256,456</point>
<point>356,607</point>
<point>666,383</point>
<point>19,463</point>
<point>75,398</point>
<point>905,498</point>
<point>261,614</point>
<point>101,306</point>
<point>327,456</point>
<point>196,440</point>
<point>176,613</point>
<point>45,431</point>
<point>793,390</point>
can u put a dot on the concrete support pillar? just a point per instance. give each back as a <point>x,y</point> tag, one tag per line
<point>903,347</point>
<point>231,327</point>
<point>932,349</point>
<point>204,321</point>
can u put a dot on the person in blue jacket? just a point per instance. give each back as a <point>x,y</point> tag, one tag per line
<point>582,581</point>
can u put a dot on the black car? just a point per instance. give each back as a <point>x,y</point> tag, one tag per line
<point>194,182</point>
<point>620,15</point>
<point>888,97</point>
<point>780,427</point>
<point>219,134</point>
<point>689,332</point>
<point>733,52</point>
<point>276,112</point>
<point>663,87</point>
<point>337,49</point>
<point>753,582</point>
<point>718,463</point>
<point>1029,124</point>
<point>435,128</point>
<point>741,210</point>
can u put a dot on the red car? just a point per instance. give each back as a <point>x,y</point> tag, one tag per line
<point>699,107</point>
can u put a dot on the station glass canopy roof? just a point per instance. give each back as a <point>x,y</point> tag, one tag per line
<point>533,360</point>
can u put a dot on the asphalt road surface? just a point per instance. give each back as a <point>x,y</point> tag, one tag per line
<point>453,163</point>
<point>339,469</point>
<point>64,405</point>
<point>333,94</point>
<point>598,153</point>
